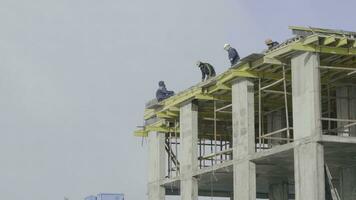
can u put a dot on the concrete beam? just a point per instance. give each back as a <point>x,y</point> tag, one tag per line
<point>156,166</point>
<point>243,139</point>
<point>189,151</point>
<point>308,158</point>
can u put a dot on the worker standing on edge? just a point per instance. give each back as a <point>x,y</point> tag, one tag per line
<point>233,55</point>
<point>271,44</point>
<point>162,92</point>
<point>207,70</point>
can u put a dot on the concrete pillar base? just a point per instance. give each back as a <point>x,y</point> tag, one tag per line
<point>156,166</point>
<point>245,181</point>
<point>309,172</point>
<point>156,192</point>
<point>348,183</point>
<point>189,151</point>
<point>278,191</point>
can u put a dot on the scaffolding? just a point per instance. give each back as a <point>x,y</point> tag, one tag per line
<point>216,148</point>
<point>171,146</point>
<point>333,125</point>
<point>264,137</point>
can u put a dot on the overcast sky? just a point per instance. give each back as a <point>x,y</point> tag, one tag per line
<point>75,74</point>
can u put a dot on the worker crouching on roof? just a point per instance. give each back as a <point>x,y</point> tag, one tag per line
<point>207,70</point>
<point>162,92</point>
<point>271,44</point>
<point>233,55</point>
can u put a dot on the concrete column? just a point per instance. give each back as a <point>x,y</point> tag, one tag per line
<point>353,109</point>
<point>346,108</point>
<point>309,173</point>
<point>243,139</point>
<point>278,191</point>
<point>156,166</point>
<point>189,151</point>
<point>348,183</point>
<point>308,157</point>
<point>276,121</point>
<point>306,95</point>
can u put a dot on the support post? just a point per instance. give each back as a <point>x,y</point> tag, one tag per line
<point>243,139</point>
<point>308,157</point>
<point>189,151</point>
<point>156,166</point>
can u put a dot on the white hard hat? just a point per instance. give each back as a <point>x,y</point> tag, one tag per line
<point>226,46</point>
<point>268,41</point>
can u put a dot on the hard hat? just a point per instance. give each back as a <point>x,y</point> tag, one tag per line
<point>198,63</point>
<point>268,41</point>
<point>226,46</point>
<point>161,83</point>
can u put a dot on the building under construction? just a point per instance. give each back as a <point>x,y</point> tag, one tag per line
<point>278,125</point>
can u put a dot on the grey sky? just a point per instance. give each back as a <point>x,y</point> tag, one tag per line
<point>75,74</point>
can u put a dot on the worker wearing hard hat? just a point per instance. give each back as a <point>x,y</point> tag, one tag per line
<point>207,70</point>
<point>162,92</point>
<point>233,55</point>
<point>271,44</point>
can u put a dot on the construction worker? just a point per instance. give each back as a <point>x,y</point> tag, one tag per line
<point>233,55</point>
<point>271,44</point>
<point>162,92</point>
<point>207,70</point>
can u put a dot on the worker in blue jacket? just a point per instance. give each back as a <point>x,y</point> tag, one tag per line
<point>207,70</point>
<point>162,92</point>
<point>233,55</point>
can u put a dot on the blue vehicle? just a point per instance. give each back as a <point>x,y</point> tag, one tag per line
<point>90,198</point>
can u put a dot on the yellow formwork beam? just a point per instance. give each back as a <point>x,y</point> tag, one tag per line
<point>141,133</point>
<point>329,40</point>
<point>324,49</point>
<point>311,40</point>
<point>342,42</point>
